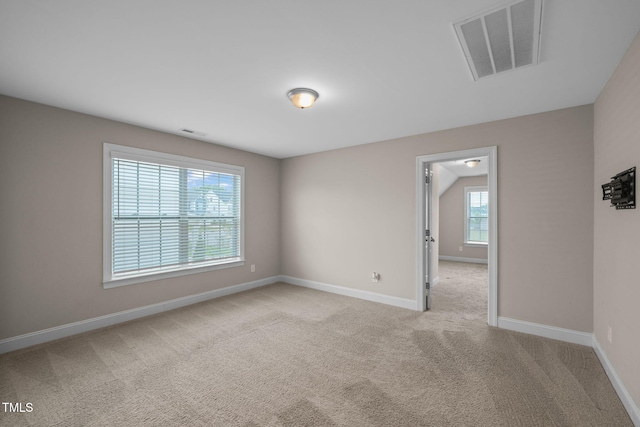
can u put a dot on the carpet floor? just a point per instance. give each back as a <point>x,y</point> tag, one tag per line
<point>282,355</point>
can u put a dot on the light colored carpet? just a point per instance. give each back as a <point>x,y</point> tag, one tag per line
<point>288,356</point>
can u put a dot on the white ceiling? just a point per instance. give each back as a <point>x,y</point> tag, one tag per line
<point>384,69</point>
<point>460,169</point>
<point>449,172</point>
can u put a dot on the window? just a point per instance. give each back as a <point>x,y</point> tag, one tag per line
<point>476,207</point>
<point>168,215</point>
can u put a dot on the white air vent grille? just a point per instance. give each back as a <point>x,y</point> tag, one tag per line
<point>501,39</point>
<point>193,132</point>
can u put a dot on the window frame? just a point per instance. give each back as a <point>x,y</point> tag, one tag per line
<point>138,154</point>
<point>467,190</point>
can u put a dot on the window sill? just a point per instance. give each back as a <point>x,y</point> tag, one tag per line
<point>476,244</point>
<point>159,275</point>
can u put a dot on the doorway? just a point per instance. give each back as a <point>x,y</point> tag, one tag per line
<point>425,200</point>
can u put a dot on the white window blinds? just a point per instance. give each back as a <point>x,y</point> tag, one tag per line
<point>168,216</point>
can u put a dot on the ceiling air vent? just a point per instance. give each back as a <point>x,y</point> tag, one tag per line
<point>501,39</point>
<point>193,132</point>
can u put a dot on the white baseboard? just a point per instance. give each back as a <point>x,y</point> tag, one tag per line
<point>618,385</point>
<point>350,292</point>
<point>561,334</point>
<point>39,337</point>
<point>461,259</point>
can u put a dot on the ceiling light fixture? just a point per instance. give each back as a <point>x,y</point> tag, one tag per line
<point>472,163</point>
<point>302,98</point>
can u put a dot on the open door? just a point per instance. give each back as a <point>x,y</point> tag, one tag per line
<point>428,238</point>
<point>424,217</point>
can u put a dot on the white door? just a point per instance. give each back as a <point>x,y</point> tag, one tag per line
<point>428,235</point>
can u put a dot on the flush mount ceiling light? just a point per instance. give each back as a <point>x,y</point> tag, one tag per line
<point>472,163</point>
<point>302,98</point>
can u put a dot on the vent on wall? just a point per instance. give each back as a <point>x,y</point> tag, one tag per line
<point>501,39</point>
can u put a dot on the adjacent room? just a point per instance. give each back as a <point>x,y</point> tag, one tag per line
<point>361,213</point>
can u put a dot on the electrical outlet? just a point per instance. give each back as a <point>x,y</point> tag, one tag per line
<point>460,248</point>
<point>253,268</point>
<point>375,277</point>
<point>610,335</point>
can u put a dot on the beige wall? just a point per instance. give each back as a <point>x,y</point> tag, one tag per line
<point>616,233</point>
<point>348,212</point>
<point>452,222</point>
<point>342,215</point>
<point>51,217</point>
